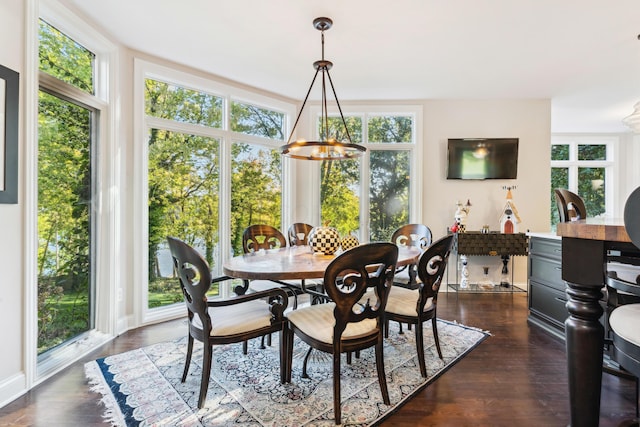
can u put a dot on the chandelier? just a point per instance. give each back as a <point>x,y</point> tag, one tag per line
<point>327,147</point>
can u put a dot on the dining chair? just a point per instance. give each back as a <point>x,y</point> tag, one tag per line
<point>348,323</point>
<point>299,234</point>
<point>623,308</point>
<point>223,321</point>
<point>416,306</point>
<point>418,235</point>
<point>570,205</point>
<point>265,237</point>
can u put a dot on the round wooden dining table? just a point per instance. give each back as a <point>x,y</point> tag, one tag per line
<point>293,262</point>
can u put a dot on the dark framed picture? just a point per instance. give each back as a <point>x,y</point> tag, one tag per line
<point>9,116</point>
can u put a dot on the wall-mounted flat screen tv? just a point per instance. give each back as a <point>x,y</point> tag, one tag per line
<point>482,158</point>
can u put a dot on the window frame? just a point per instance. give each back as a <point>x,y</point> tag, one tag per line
<point>573,164</point>
<point>144,69</point>
<point>414,147</point>
<point>106,175</point>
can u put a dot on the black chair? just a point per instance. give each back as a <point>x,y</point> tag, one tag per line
<point>265,237</point>
<point>223,321</point>
<point>570,206</point>
<point>418,235</point>
<point>349,323</point>
<point>416,306</point>
<point>624,316</point>
<point>299,234</point>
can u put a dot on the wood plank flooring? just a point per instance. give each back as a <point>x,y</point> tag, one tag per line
<point>517,377</point>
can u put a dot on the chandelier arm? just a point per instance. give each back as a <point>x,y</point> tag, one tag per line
<point>302,108</point>
<point>344,123</point>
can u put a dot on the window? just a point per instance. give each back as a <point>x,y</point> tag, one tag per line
<point>71,113</point>
<point>384,174</point>
<point>584,166</point>
<point>213,169</point>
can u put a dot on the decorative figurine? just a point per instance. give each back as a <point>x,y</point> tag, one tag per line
<point>460,224</point>
<point>509,219</point>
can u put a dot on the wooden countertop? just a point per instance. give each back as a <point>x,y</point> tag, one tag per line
<point>606,229</point>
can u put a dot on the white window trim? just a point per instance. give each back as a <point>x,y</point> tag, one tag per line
<point>612,143</point>
<point>107,276</point>
<point>366,111</point>
<point>144,69</point>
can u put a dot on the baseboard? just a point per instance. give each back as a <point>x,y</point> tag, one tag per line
<point>12,388</point>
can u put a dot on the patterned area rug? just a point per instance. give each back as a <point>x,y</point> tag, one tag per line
<point>142,387</point>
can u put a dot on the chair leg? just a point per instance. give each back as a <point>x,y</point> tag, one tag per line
<point>434,323</point>
<point>245,347</point>
<point>283,356</point>
<point>288,341</point>
<point>382,377</point>
<point>420,349</point>
<point>187,362</point>
<point>400,326</point>
<point>337,413</point>
<point>386,328</point>
<point>206,372</point>
<point>304,364</point>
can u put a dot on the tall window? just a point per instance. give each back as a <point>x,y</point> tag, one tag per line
<point>383,175</point>
<point>188,130</point>
<point>67,153</point>
<point>584,166</point>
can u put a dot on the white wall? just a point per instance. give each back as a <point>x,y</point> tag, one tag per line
<point>12,378</point>
<point>528,120</point>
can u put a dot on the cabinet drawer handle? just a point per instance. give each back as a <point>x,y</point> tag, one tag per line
<point>560,299</point>
<point>557,250</point>
<point>558,268</point>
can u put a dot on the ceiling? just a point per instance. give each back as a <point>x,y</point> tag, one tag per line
<point>582,54</point>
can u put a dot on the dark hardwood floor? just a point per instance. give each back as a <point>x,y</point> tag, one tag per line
<point>517,377</point>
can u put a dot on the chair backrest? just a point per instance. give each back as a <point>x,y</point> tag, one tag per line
<point>195,279</point>
<point>299,234</point>
<point>351,274</point>
<point>412,235</point>
<point>261,236</point>
<point>632,217</point>
<point>570,205</point>
<point>431,267</point>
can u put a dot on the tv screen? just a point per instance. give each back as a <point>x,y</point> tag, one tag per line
<point>482,158</point>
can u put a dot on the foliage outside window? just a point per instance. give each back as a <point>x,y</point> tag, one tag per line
<point>185,176</point>
<point>65,59</point>
<point>66,152</point>
<point>388,184</point>
<point>581,165</point>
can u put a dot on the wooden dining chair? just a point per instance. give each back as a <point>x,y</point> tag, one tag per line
<point>416,306</point>
<point>299,234</point>
<point>570,206</point>
<point>265,237</point>
<point>348,323</point>
<point>418,235</point>
<point>223,321</point>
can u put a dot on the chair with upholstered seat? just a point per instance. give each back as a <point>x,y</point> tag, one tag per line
<point>223,321</point>
<point>624,316</point>
<point>570,206</point>
<point>299,234</point>
<point>418,235</point>
<point>265,237</point>
<point>416,306</point>
<point>349,323</point>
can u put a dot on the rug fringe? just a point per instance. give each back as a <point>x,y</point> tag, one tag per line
<point>97,384</point>
<point>473,328</point>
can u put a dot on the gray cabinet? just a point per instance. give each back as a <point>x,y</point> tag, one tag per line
<point>547,297</point>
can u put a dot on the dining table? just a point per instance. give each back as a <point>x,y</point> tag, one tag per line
<point>294,262</point>
<point>587,245</point>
